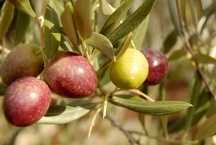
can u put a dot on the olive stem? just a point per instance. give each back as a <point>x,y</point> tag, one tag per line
<point>93,121</point>
<point>141,94</point>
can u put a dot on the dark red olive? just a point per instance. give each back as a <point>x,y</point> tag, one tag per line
<point>71,75</point>
<point>21,61</point>
<point>26,101</point>
<point>158,66</point>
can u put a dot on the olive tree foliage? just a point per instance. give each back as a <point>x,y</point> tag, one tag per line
<point>101,31</point>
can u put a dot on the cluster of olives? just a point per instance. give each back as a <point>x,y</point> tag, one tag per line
<point>28,98</point>
<point>132,69</point>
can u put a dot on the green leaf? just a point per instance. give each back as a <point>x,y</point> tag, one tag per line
<point>56,5</point>
<point>107,8</point>
<point>154,108</point>
<point>68,25</point>
<point>20,27</point>
<point>170,41</point>
<point>52,34</point>
<point>26,7</point>
<point>205,59</point>
<point>206,129</point>
<point>62,115</point>
<point>82,17</point>
<point>102,43</point>
<point>132,22</point>
<point>6,17</point>
<point>140,33</point>
<point>114,20</point>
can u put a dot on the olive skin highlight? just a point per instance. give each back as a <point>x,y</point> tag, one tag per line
<point>26,101</point>
<point>71,75</point>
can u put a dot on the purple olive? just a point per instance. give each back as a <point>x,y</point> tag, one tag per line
<point>71,75</point>
<point>158,66</point>
<point>26,101</point>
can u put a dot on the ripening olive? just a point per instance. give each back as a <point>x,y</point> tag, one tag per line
<point>130,69</point>
<point>71,75</point>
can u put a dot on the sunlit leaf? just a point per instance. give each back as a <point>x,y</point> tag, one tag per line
<point>153,108</point>
<point>132,22</point>
<point>114,20</point>
<point>62,115</point>
<point>102,43</point>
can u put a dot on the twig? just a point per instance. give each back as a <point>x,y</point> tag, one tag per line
<point>93,121</point>
<point>127,134</point>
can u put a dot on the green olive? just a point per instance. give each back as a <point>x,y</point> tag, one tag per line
<point>130,69</point>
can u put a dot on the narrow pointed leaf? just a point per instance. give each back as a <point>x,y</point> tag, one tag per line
<point>69,25</point>
<point>82,17</point>
<point>25,6</point>
<point>140,33</point>
<point>52,34</point>
<point>170,41</point>
<point>64,115</point>
<point>57,5</point>
<point>132,22</point>
<point>114,20</point>
<point>102,43</point>
<point>153,108</point>
<point>20,27</point>
<point>6,17</point>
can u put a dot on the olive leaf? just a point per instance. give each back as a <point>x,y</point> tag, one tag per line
<point>52,34</point>
<point>6,17</point>
<point>19,28</point>
<point>140,33</point>
<point>170,41</point>
<point>204,59</point>
<point>102,43</point>
<point>154,108</point>
<point>107,8</point>
<point>132,22</point>
<point>69,25</point>
<point>82,17</point>
<point>62,115</point>
<point>25,6</point>
<point>57,6</point>
<point>114,20</point>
